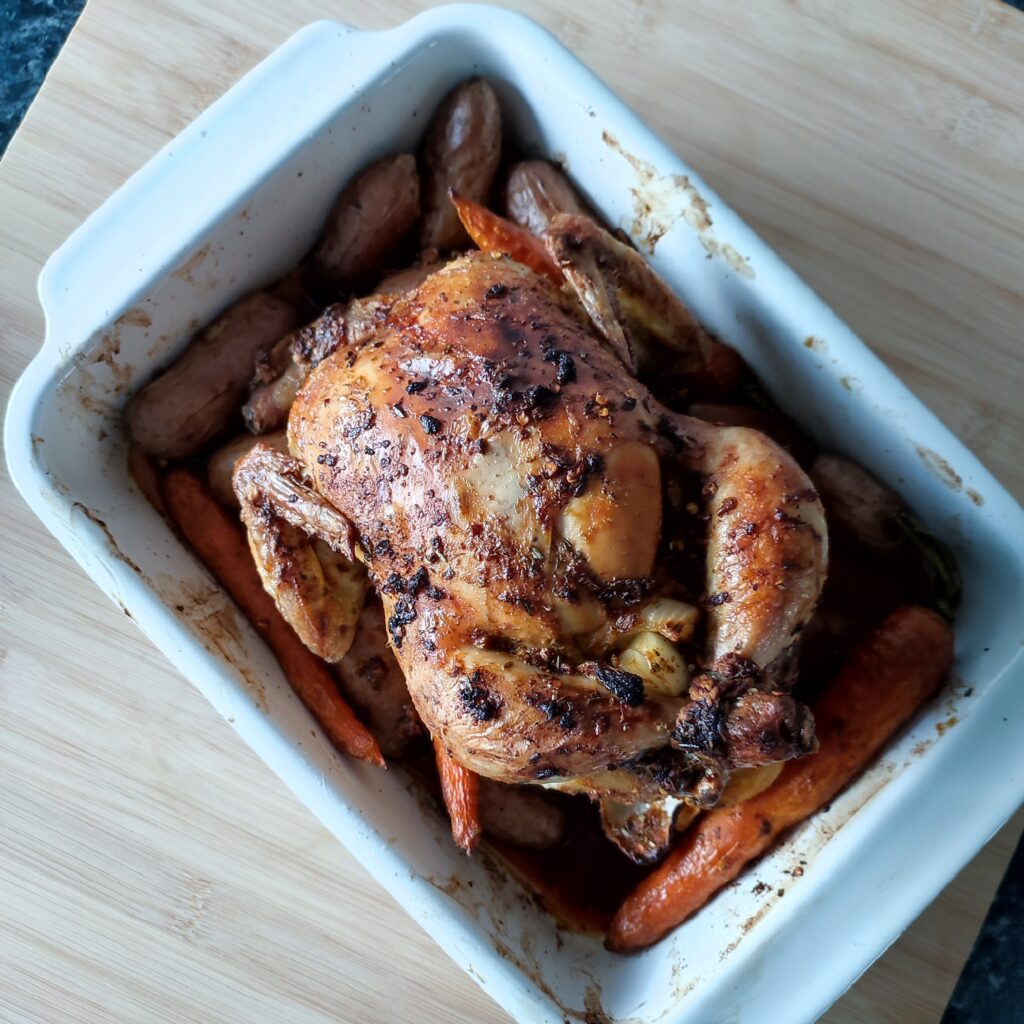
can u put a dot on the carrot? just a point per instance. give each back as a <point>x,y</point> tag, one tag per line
<point>461,791</point>
<point>494,234</point>
<point>146,475</point>
<point>219,540</point>
<point>721,372</point>
<point>882,684</point>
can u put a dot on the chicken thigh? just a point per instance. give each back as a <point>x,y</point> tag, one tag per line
<point>503,477</point>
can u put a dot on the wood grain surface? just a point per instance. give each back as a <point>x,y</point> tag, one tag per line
<point>151,868</point>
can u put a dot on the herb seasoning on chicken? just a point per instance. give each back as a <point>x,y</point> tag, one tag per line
<point>544,521</point>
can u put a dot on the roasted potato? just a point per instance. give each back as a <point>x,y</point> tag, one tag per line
<point>778,427</point>
<point>857,502</point>
<point>192,402</point>
<point>402,281</point>
<point>372,681</point>
<point>269,404</point>
<point>368,220</point>
<point>272,363</point>
<point>461,151</point>
<point>221,464</point>
<point>146,475</point>
<point>536,192</point>
<point>521,815</point>
<point>281,373</point>
<point>292,288</point>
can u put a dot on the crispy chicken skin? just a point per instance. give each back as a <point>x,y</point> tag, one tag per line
<point>503,476</point>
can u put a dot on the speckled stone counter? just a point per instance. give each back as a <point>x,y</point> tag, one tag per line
<point>991,987</point>
<point>31,35</point>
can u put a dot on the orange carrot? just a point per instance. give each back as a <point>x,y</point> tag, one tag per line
<point>461,791</point>
<point>882,684</point>
<point>219,540</point>
<point>720,374</point>
<point>494,234</point>
<point>146,474</point>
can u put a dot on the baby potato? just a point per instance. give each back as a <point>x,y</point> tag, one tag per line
<point>221,464</point>
<point>408,279</point>
<point>857,502</point>
<point>521,815</point>
<point>189,404</point>
<point>269,404</point>
<point>371,680</point>
<point>778,427</point>
<point>536,191</point>
<point>368,220</point>
<point>461,151</point>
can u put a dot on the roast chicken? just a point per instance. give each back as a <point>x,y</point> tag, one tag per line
<point>583,588</point>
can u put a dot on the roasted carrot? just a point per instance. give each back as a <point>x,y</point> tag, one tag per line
<point>494,234</point>
<point>219,540</point>
<point>721,373</point>
<point>461,791</point>
<point>885,680</point>
<point>146,475</point>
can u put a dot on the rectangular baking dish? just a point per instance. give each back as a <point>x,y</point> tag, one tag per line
<point>234,201</point>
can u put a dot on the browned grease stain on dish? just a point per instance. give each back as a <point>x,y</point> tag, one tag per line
<point>656,199</point>
<point>660,200</point>
<point>115,548</point>
<point>815,344</point>
<point>921,747</point>
<point>100,392</point>
<point>109,350</point>
<point>594,1012</point>
<point>136,317</point>
<point>950,703</point>
<point>109,347</point>
<point>682,982</point>
<point>191,265</point>
<point>940,467</point>
<point>975,497</point>
<point>732,256</point>
<point>82,388</point>
<point>213,618</point>
<point>532,973</point>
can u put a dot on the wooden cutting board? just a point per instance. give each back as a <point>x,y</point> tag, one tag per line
<point>151,868</point>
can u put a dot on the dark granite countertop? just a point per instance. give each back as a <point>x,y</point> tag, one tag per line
<point>991,987</point>
<point>31,35</point>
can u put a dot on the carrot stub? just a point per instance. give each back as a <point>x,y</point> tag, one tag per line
<point>461,791</point>
<point>219,540</point>
<point>884,682</point>
<point>146,475</point>
<point>494,234</point>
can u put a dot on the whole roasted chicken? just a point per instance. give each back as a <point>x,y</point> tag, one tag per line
<point>483,446</point>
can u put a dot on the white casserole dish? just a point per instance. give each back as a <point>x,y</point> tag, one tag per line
<point>234,201</point>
